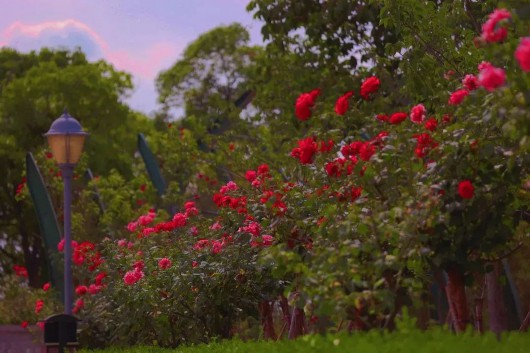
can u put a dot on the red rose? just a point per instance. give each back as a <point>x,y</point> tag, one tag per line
<point>492,31</point>
<point>250,175</point>
<point>39,304</point>
<point>466,189</point>
<point>431,124</point>
<point>326,146</point>
<point>81,290</point>
<point>417,113</point>
<point>342,104</point>
<point>304,103</point>
<point>164,263</point>
<point>470,82</point>
<point>20,271</point>
<point>382,117</point>
<point>369,86</point>
<point>367,151</point>
<point>356,192</point>
<point>397,118</point>
<point>305,151</point>
<point>491,77</point>
<point>46,286</point>
<point>263,169</point>
<point>522,54</point>
<point>457,97</point>
<point>99,278</point>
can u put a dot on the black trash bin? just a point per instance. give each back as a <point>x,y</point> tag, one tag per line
<point>60,333</point>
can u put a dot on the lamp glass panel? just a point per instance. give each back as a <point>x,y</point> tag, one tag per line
<point>66,148</point>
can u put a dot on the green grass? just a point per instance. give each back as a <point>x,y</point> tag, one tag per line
<point>436,341</point>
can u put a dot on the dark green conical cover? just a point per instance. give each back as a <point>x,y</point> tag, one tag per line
<point>49,228</point>
<point>151,165</point>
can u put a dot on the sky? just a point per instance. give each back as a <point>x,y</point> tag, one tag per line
<point>142,37</point>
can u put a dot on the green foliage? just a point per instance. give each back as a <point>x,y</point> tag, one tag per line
<point>30,103</point>
<point>15,293</point>
<point>210,75</point>
<point>339,32</point>
<point>34,90</point>
<point>122,200</point>
<point>181,160</point>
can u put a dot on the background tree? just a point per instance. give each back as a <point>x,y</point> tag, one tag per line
<point>34,90</point>
<point>210,76</point>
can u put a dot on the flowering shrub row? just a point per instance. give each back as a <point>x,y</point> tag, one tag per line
<point>349,227</point>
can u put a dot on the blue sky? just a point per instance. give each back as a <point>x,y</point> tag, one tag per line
<point>142,37</point>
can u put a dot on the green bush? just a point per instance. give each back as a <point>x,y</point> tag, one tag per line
<point>15,293</point>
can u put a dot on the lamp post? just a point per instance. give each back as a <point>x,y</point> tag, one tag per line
<point>66,138</point>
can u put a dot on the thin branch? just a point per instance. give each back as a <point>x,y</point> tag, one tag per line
<point>437,54</point>
<point>526,323</point>
<point>11,256</point>
<point>467,8</point>
<point>510,252</point>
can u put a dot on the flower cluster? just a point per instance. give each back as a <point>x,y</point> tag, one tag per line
<point>258,177</point>
<point>39,304</point>
<point>20,187</point>
<point>143,220</point>
<point>306,150</point>
<point>258,239</point>
<point>20,271</point>
<point>222,199</point>
<point>424,144</point>
<point>306,101</point>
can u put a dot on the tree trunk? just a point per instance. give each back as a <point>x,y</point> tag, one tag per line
<point>297,327</point>
<point>267,322</point>
<point>440,297</point>
<point>284,304</point>
<point>496,309</point>
<point>357,324</point>
<point>479,325</point>
<point>456,296</point>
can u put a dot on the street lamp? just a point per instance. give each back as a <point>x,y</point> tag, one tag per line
<point>66,138</point>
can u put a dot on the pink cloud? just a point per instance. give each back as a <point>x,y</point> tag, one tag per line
<point>142,62</point>
<point>20,29</point>
<point>146,63</point>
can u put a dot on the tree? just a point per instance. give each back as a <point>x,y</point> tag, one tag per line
<point>34,90</point>
<point>210,76</point>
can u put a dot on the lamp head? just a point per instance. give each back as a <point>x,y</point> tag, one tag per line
<point>66,138</point>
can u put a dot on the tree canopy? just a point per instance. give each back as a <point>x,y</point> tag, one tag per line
<point>34,90</point>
